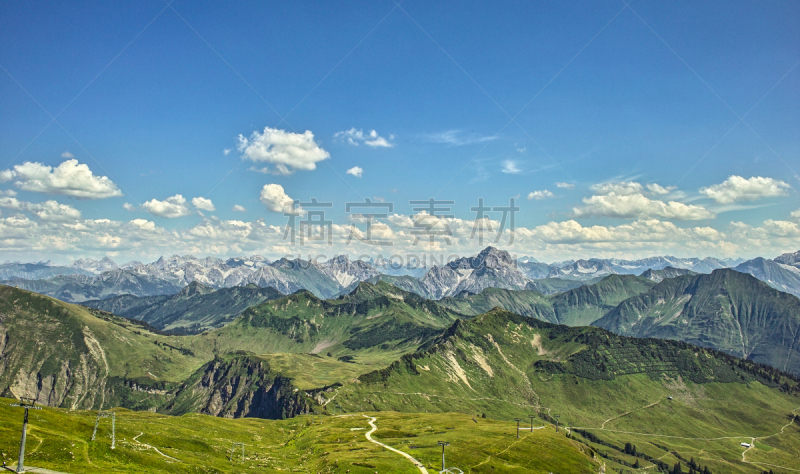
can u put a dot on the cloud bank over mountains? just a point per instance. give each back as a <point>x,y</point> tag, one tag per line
<point>638,218</point>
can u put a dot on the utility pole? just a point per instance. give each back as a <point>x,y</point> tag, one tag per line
<point>28,403</point>
<point>531,417</point>
<point>517,420</point>
<point>556,417</point>
<point>233,450</point>
<point>443,444</point>
<point>113,416</point>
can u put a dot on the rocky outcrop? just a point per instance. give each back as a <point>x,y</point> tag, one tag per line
<point>240,386</point>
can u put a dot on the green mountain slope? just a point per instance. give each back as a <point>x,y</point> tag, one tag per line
<point>726,310</point>
<point>68,355</point>
<point>664,396</point>
<point>576,307</point>
<point>585,304</point>
<point>378,319</point>
<point>192,310</point>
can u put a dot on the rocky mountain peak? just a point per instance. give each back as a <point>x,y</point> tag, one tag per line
<point>792,259</point>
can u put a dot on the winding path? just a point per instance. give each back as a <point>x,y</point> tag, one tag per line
<point>153,447</point>
<point>368,434</point>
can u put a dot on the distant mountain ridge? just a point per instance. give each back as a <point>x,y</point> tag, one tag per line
<point>726,310</point>
<point>192,310</point>
<point>89,279</point>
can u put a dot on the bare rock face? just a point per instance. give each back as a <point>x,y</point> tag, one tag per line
<point>240,386</point>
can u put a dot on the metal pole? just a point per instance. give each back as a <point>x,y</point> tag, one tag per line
<point>96,422</point>
<point>517,420</point>
<point>557,417</point>
<point>531,417</point>
<point>113,429</point>
<point>443,444</point>
<point>21,461</point>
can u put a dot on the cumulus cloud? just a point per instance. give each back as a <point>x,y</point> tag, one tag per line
<point>287,151</point>
<point>70,178</point>
<point>355,137</point>
<point>796,214</point>
<point>510,167</point>
<point>172,207</point>
<point>275,198</point>
<point>638,206</point>
<point>129,207</point>
<point>47,211</point>
<point>620,188</point>
<point>356,171</point>
<point>203,204</point>
<point>738,189</point>
<point>539,195</point>
<point>629,199</point>
<point>238,208</point>
<point>67,154</point>
<point>565,185</point>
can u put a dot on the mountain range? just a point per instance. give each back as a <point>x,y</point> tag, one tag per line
<point>88,279</point>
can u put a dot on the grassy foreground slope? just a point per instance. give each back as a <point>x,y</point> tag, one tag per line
<point>509,366</point>
<point>60,439</point>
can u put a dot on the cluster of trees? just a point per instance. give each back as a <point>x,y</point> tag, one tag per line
<point>694,468</point>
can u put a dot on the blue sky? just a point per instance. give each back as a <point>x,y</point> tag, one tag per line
<point>469,100</point>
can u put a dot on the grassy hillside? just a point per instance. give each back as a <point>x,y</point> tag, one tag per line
<point>60,439</point>
<point>727,310</point>
<point>507,366</point>
<point>575,307</point>
<point>192,310</point>
<point>379,320</point>
<point>72,356</point>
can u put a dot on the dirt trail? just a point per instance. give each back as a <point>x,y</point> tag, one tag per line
<point>153,447</point>
<point>628,413</point>
<point>368,434</point>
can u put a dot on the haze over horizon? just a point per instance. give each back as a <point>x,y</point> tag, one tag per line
<point>619,130</point>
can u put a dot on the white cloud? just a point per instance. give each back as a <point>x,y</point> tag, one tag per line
<point>457,138</point>
<point>356,171</point>
<point>172,207</point>
<point>203,204</point>
<point>659,190</point>
<point>129,207</point>
<point>565,185</point>
<point>67,154</point>
<point>510,167</point>
<point>238,208</point>
<point>275,198</point>
<point>144,224</point>
<point>70,178</point>
<point>355,137</point>
<point>539,195</point>
<point>288,151</point>
<point>226,151</point>
<point>47,211</point>
<point>738,189</point>
<point>620,188</point>
<point>796,214</point>
<point>639,206</point>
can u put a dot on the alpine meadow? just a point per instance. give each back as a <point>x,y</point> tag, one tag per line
<point>397,236</point>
